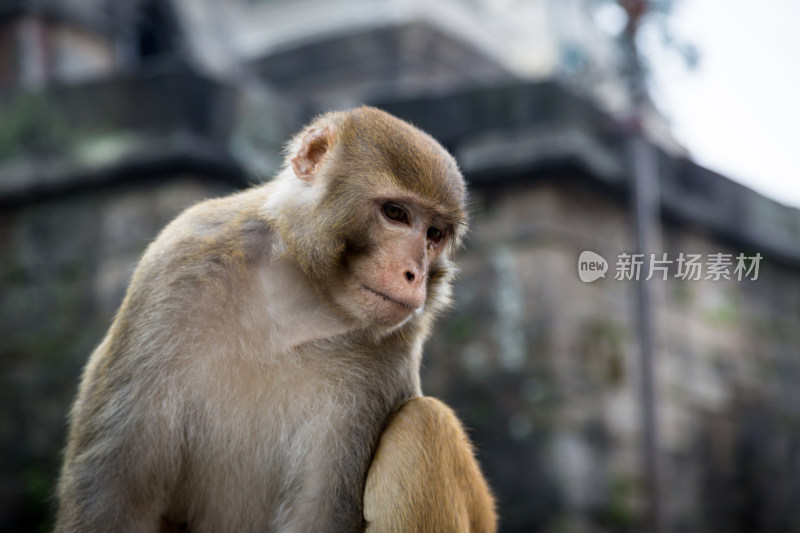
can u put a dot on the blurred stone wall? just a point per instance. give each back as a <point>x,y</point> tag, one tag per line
<point>544,370</point>
<point>541,365</point>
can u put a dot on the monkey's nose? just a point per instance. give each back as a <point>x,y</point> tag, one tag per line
<point>413,274</point>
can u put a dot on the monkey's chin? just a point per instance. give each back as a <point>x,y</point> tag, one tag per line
<point>383,310</point>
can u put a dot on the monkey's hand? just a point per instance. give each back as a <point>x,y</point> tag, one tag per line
<point>424,476</point>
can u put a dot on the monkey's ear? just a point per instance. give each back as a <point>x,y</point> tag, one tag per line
<point>313,148</point>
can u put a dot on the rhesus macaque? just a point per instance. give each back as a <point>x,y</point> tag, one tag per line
<point>265,342</point>
<point>424,477</point>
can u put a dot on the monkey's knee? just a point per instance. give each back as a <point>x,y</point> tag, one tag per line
<point>424,475</point>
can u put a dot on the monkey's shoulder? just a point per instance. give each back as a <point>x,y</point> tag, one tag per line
<point>219,232</point>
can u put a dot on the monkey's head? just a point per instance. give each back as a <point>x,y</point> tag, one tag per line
<point>372,210</point>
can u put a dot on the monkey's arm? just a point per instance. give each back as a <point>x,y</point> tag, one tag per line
<point>121,456</point>
<point>424,476</point>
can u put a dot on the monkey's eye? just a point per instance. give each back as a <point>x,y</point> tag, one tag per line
<point>394,212</point>
<point>435,235</point>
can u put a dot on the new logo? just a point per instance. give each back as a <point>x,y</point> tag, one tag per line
<point>591,266</point>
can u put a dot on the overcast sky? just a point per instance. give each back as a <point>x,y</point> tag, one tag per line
<point>739,112</point>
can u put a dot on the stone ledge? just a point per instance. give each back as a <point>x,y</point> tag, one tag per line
<point>73,137</point>
<point>37,180</point>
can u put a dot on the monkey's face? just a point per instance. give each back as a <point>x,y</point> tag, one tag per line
<point>388,281</point>
<point>369,208</point>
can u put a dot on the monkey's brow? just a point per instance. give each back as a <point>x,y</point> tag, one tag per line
<point>451,216</point>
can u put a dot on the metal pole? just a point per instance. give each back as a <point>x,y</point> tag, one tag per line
<point>645,204</point>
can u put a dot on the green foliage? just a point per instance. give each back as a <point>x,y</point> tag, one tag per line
<point>620,513</point>
<point>32,123</point>
<point>726,313</point>
<point>461,328</point>
<point>602,345</point>
<point>38,483</point>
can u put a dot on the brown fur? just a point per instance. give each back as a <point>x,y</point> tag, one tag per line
<point>372,151</point>
<point>424,476</point>
<point>248,372</point>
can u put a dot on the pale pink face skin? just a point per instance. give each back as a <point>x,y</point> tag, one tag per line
<point>389,286</point>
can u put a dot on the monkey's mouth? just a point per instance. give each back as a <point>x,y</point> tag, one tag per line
<point>404,305</point>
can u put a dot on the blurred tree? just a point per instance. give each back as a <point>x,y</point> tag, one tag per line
<point>639,14</point>
<point>645,204</point>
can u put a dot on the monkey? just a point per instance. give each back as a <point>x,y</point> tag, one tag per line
<point>267,342</point>
<point>425,477</point>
